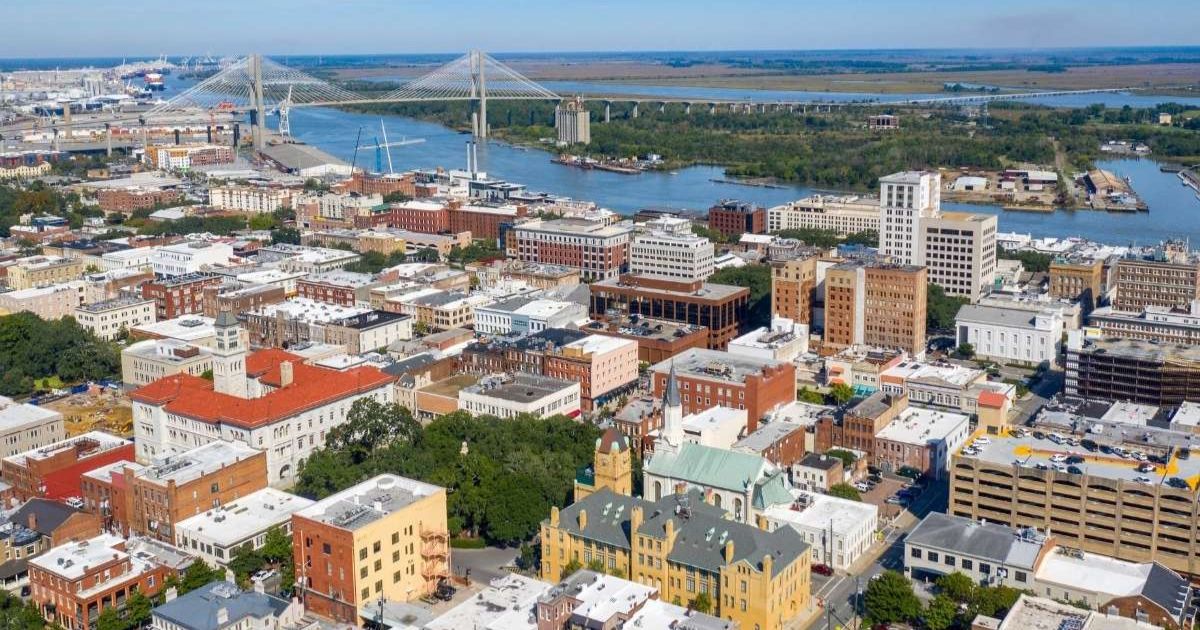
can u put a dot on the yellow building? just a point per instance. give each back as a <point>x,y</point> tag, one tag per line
<point>612,467</point>
<point>683,547</point>
<point>385,537</point>
<point>42,271</point>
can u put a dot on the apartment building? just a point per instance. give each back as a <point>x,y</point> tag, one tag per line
<point>845,214</point>
<point>252,199</point>
<point>1013,335</point>
<point>1167,282</point>
<point>1078,279</point>
<point>904,200</point>
<point>216,535</point>
<point>429,216</point>
<point>383,538</point>
<point>323,210</point>
<point>183,157</point>
<point>793,288</point>
<point>341,287</point>
<point>50,302</point>
<point>440,310</point>
<point>603,366</point>
<point>189,257</point>
<point>130,198</point>
<point>1152,323</point>
<point>42,271</point>
<point>709,378</point>
<point>146,361</point>
<point>303,259</point>
<point>52,471</point>
<point>235,298</point>
<point>486,222</point>
<point>113,318</point>
<point>657,339</point>
<point>270,399</point>
<point>670,250</point>
<point>523,315</point>
<point>732,218</point>
<point>175,296</point>
<point>683,546</point>
<point>599,251</point>
<point>1132,370</point>
<point>875,304</point>
<point>546,277</point>
<point>718,307</point>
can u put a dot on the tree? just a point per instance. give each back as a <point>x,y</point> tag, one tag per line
<point>198,574</point>
<point>957,586</point>
<point>810,396</point>
<point>940,614</point>
<point>940,309</point>
<point>110,619</point>
<point>207,374</point>
<point>285,235</point>
<point>890,598</point>
<point>841,393</point>
<point>845,491</point>
<point>18,615</point>
<point>396,197</point>
<point>596,565</point>
<point>278,546</point>
<point>370,425</point>
<point>993,601</point>
<point>965,350</point>
<point>702,603</point>
<point>758,279</point>
<point>138,610</point>
<point>847,457</point>
<point>570,568</point>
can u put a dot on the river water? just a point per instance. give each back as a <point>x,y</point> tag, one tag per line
<point>1174,209</point>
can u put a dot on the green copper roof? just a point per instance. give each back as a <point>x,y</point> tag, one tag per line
<point>709,467</point>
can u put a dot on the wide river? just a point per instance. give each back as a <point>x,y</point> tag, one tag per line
<point>1174,209</point>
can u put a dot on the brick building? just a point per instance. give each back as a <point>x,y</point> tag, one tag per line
<point>1140,282</point>
<point>343,288</point>
<point>54,471</point>
<point>419,215</point>
<point>857,427</point>
<point>710,378</point>
<point>1077,279</point>
<point>598,251</point>
<point>129,199</point>
<point>219,298</point>
<point>657,339</point>
<point>793,288</point>
<point>733,218</point>
<point>485,222</point>
<point>378,184</point>
<point>721,308</point>
<point>179,295</point>
<point>875,304</point>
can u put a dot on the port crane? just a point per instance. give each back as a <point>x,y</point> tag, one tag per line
<point>385,147</point>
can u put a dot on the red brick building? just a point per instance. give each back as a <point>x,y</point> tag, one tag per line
<point>484,222</point>
<point>859,424</point>
<point>343,288</point>
<point>370,184</point>
<point>429,217</point>
<point>779,442</point>
<point>734,218</point>
<point>130,199</point>
<point>710,378</point>
<point>179,295</point>
<point>241,300</point>
<point>598,251</point>
<point>54,471</point>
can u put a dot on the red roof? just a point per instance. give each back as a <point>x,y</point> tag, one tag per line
<point>311,387</point>
<point>995,400</point>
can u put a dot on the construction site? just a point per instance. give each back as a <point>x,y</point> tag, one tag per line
<point>97,409</point>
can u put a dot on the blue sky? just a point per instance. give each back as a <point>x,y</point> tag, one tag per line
<point>57,28</point>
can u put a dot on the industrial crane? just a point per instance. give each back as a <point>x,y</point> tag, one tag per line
<point>385,146</point>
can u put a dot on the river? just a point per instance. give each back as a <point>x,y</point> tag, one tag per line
<point>1174,209</point>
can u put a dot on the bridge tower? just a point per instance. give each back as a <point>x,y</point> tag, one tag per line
<point>479,92</point>
<point>257,105</point>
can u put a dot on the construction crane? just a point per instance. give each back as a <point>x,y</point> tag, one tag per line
<point>386,147</point>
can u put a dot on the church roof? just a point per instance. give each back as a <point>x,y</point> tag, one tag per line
<point>671,395</point>
<point>709,467</point>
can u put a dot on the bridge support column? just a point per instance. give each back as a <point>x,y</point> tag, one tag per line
<point>607,111</point>
<point>687,108</point>
<point>256,101</point>
<point>662,108</point>
<point>108,139</point>
<point>633,113</point>
<point>712,109</point>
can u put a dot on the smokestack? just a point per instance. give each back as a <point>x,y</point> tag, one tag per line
<point>177,136</point>
<point>237,134</point>
<point>208,133</point>
<point>285,373</point>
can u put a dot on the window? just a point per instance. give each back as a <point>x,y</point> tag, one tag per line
<point>1022,577</point>
<point>326,549</point>
<point>949,560</point>
<point>916,553</point>
<point>985,568</point>
<point>933,556</point>
<point>362,553</point>
<point>968,564</point>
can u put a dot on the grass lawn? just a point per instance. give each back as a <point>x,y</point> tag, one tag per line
<point>49,382</point>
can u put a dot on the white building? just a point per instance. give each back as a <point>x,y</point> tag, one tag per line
<point>147,361</point>
<point>904,199</point>
<point>718,427</point>
<point>921,436</point>
<point>249,199</point>
<point>194,329</point>
<point>838,531</point>
<point>269,399</point>
<point>783,341</point>
<point>670,250</point>
<point>286,280</point>
<point>301,258</point>
<point>189,257</point>
<point>508,396</point>
<point>1009,334</point>
<point>217,535</point>
<point>135,258</point>
<point>524,315</point>
<point>848,214</point>
<point>110,318</point>
<point>25,427</point>
<point>573,122</point>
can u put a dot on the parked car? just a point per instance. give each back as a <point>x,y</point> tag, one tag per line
<point>1075,470</point>
<point>822,569</point>
<point>1074,459</point>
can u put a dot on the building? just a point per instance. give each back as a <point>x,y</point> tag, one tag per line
<point>130,198</point>
<point>189,257</point>
<point>440,310</point>
<point>304,259</point>
<point>573,122</point>
<point>1039,612</point>
<point>921,439</point>
<point>175,487</point>
<point>603,366</point>
<point>1078,279</point>
<point>25,427</point>
<point>343,288</point>
<point>223,606</point>
<point>855,429</point>
<point>1153,323</point>
<point>175,296</point>
<point>1168,283</point>
<point>429,216</point>
<point>194,329</point>
<point>146,361</point>
<point>486,222</point>
<point>838,531</point>
<point>545,277</point>
<point>875,304</point>
<point>683,546</point>
<point>51,302</point>
<point>1010,335</point>
<point>1135,371</point>
<point>783,341</point>
<point>657,340</point>
<point>216,535</point>
<point>182,157</point>
<point>385,538</point>
<point>72,584</point>
<point>670,250</point>
<point>958,248</point>
<point>367,332</point>
<point>239,299</point>
<point>111,319</point>
<point>818,472</point>
<point>251,398</point>
<point>718,307</point>
<point>506,396</point>
<point>42,271</point>
<point>793,288</point>
<point>53,471</point>
<point>253,199</point>
<point>947,386</point>
<point>297,320</point>
<point>732,218</point>
<point>523,315</point>
<point>612,466</point>
<point>35,527</point>
<point>599,251</point>
<point>844,215</point>
<point>709,378</point>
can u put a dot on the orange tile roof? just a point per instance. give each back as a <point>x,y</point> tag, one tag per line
<point>995,400</point>
<point>311,387</point>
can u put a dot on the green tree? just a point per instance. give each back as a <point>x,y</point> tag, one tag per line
<point>965,350</point>
<point>810,396</point>
<point>957,586</point>
<point>110,619</point>
<point>285,235</point>
<point>138,610</point>
<point>940,309</point>
<point>847,457</point>
<point>396,197</point>
<point>570,568</point>
<point>890,598</point>
<point>278,546</point>
<point>245,563</point>
<point>757,278</point>
<point>841,393</point>
<point>370,425</point>
<point>198,574</point>
<point>596,565</point>
<point>993,601</point>
<point>845,491</point>
<point>702,603</point>
<point>941,613</point>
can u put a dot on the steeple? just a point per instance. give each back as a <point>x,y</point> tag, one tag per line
<point>672,413</point>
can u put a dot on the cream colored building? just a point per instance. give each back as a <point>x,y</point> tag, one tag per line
<point>25,171</point>
<point>147,361</point>
<point>40,271</point>
<point>846,214</point>
<point>108,319</point>
<point>573,122</point>
<point>249,199</point>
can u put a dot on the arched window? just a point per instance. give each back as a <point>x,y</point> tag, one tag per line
<point>657,490</point>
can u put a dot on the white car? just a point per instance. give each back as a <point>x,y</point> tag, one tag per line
<point>1058,458</point>
<point>983,440</point>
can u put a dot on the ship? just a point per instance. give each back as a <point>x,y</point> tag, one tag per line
<point>154,81</point>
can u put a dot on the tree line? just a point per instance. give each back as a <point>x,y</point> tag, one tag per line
<point>32,348</point>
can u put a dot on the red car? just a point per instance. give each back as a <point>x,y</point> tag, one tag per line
<point>822,569</point>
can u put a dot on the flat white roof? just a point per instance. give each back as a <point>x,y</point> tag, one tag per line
<point>600,344</point>
<point>714,418</point>
<point>544,308</point>
<point>106,441</point>
<point>311,310</point>
<point>72,559</point>
<point>15,416</point>
<point>186,328</point>
<point>609,596</point>
<point>267,276</point>
<point>248,516</point>
<point>1094,573</point>
<point>191,465</point>
<point>509,603</point>
<point>824,511</point>
<point>1188,414</point>
<point>920,426</point>
<point>1130,413</point>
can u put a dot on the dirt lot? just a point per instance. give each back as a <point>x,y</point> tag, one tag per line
<point>109,411</point>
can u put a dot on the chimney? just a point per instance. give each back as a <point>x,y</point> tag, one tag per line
<point>635,518</point>
<point>729,552</point>
<point>554,516</point>
<point>171,594</point>
<point>285,373</point>
<point>767,564</point>
<point>582,519</point>
<point>259,587</point>
<point>222,616</point>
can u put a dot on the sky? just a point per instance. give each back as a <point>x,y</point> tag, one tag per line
<point>75,28</point>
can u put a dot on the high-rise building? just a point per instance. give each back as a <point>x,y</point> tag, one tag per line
<point>793,288</point>
<point>1167,283</point>
<point>875,304</point>
<point>958,248</point>
<point>598,251</point>
<point>670,250</point>
<point>573,122</point>
<point>1077,279</point>
<point>733,218</point>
